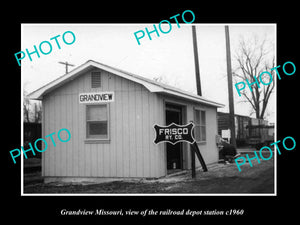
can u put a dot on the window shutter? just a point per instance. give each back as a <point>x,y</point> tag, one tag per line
<point>96,79</point>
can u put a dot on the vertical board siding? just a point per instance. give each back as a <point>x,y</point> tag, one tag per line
<point>130,151</point>
<point>43,135</point>
<point>74,132</point>
<point>132,130</point>
<point>70,147</point>
<point>151,122</point>
<point>105,150</point>
<point>125,127</point>
<point>145,133</point>
<point>50,130</point>
<point>118,127</point>
<point>113,132</point>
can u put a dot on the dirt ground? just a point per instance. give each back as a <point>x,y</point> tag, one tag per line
<point>219,179</point>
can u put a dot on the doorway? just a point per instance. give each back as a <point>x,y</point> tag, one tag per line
<point>174,152</point>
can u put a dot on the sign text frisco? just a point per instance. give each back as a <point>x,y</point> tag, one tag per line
<point>174,133</point>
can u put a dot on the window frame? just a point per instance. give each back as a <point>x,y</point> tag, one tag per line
<point>200,125</point>
<point>97,138</point>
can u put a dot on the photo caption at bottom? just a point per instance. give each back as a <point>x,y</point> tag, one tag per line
<point>152,212</point>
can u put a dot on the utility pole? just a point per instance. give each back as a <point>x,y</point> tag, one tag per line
<point>230,91</point>
<point>194,148</point>
<point>197,72</point>
<point>67,64</point>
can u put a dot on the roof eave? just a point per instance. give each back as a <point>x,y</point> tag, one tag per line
<point>193,98</point>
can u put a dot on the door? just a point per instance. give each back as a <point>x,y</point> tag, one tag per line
<point>174,152</point>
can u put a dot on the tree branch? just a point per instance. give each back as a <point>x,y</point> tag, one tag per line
<point>251,61</point>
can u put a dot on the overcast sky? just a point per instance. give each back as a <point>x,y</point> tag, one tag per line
<point>169,56</point>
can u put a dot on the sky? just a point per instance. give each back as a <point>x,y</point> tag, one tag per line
<point>169,56</point>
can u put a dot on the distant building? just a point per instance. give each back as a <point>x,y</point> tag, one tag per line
<point>248,131</point>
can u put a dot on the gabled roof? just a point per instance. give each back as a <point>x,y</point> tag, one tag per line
<point>149,84</point>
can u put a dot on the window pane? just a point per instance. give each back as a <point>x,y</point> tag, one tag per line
<point>203,119</point>
<point>197,133</point>
<point>197,116</point>
<point>203,133</point>
<point>97,129</point>
<point>97,112</point>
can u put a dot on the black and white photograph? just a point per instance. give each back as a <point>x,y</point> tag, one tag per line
<point>108,88</point>
<point>150,115</point>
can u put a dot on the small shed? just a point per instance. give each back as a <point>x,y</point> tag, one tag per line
<point>110,114</point>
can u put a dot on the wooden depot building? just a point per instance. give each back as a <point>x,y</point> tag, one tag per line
<point>110,114</point>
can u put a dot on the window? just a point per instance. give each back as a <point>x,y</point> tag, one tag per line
<point>97,122</point>
<point>200,125</point>
<point>96,79</point>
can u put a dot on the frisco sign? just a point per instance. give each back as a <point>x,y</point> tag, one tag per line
<point>174,133</point>
<point>96,97</point>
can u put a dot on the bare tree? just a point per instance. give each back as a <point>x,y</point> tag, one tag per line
<point>37,118</point>
<point>164,80</point>
<point>161,79</point>
<point>26,107</point>
<point>253,58</point>
<point>32,111</point>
